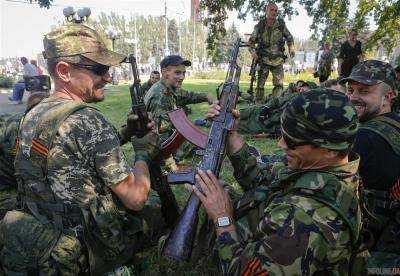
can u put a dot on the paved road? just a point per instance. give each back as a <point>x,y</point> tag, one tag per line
<point>6,107</point>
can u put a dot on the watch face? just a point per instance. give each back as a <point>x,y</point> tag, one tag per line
<point>224,221</point>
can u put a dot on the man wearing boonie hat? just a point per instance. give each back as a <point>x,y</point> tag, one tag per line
<point>299,219</point>
<point>372,89</point>
<point>75,183</point>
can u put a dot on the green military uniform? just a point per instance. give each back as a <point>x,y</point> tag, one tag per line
<point>303,221</point>
<point>146,86</point>
<point>324,68</point>
<point>67,161</point>
<point>269,44</point>
<point>8,182</point>
<point>265,118</point>
<point>162,98</point>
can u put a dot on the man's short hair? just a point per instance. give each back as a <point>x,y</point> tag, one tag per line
<point>155,72</point>
<point>24,60</point>
<point>271,4</point>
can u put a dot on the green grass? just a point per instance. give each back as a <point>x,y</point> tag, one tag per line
<point>115,107</point>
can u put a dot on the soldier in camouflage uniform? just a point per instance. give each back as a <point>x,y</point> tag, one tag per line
<point>154,77</point>
<point>265,118</point>
<point>81,203</point>
<point>267,45</point>
<point>167,95</point>
<point>324,64</point>
<point>302,219</point>
<point>8,142</point>
<point>372,88</point>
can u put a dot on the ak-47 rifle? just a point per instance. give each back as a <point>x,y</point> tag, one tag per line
<point>169,206</point>
<point>252,74</point>
<point>180,242</point>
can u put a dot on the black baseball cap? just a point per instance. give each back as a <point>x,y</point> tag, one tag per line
<point>174,60</point>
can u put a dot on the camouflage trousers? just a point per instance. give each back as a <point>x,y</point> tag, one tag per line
<point>8,201</point>
<point>277,81</point>
<point>250,122</point>
<point>29,247</point>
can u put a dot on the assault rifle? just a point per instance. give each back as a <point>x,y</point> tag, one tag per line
<point>180,242</point>
<point>252,74</point>
<point>169,206</point>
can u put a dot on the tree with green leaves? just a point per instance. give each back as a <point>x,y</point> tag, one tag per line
<point>330,18</point>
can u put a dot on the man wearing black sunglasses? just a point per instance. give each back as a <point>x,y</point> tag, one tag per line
<point>75,183</point>
<point>302,219</point>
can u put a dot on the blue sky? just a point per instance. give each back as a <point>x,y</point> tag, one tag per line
<point>23,25</point>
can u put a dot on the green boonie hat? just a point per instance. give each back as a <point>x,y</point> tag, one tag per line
<point>78,39</point>
<point>322,117</point>
<point>371,72</point>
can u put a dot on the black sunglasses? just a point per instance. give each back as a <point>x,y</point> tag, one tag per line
<point>292,144</point>
<point>97,69</point>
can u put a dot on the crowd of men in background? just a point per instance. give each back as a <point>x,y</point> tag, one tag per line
<point>83,209</point>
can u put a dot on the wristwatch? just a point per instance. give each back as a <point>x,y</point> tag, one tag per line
<point>223,222</point>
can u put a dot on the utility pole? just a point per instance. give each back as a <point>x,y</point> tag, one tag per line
<point>166,51</point>
<point>136,40</point>
<point>194,40</point>
<point>180,35</point>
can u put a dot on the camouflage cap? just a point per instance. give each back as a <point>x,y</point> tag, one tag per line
<point>78,39</point>
<point>371,72</point>
<point>322,117</point>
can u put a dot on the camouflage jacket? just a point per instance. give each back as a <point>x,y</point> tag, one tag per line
<point>85,156</point>
<point>269,42</point>
<point>291,222</point>
<point>325,63</point>
<point>8,136</point>
<point>146,86</point>
<point>162,98</point>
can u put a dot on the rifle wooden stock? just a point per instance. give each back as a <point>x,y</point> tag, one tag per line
<point>180,241</point>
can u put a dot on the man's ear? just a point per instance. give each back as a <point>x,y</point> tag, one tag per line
<point>164,71</point>
<point>390,96</point>
<point>63,71</point>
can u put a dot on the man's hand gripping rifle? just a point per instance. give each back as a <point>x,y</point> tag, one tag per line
<point>180,242</point>
<point>169,206</point>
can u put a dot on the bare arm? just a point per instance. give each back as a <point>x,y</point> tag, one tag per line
<point>134,190</point>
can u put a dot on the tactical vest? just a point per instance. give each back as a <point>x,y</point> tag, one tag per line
<point>337,195</point>
<point>384,203</point>
<point>100,225</point>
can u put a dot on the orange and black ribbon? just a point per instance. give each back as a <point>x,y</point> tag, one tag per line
<point>395,190</point>
<point>39,147</point>
<point>16,146</point>
<point>253,268</point>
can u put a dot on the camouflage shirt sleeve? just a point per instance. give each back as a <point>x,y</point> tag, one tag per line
<point>185,97</point>
<point>248,172</point>
<point>288,36</point>
<point>253,38</point>
<point>296,235</point>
